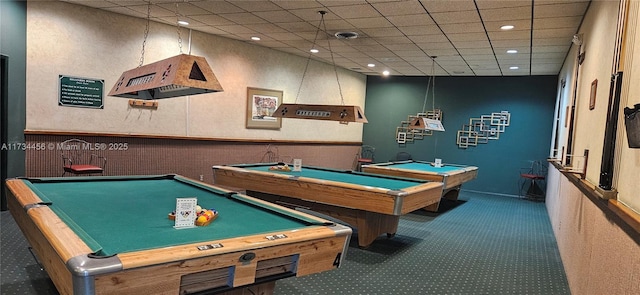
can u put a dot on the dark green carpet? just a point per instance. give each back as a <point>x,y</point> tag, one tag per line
<point>482,245</point>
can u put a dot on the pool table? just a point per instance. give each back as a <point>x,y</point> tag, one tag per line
<point>369,202</point>
<point>112,235</point>
<point>451,175</point>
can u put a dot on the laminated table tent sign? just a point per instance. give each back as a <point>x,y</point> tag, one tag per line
<point>632,123</point>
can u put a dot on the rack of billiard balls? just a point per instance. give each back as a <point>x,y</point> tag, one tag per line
<point>204,216</point>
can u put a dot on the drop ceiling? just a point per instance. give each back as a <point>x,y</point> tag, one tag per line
<point>405,37</point>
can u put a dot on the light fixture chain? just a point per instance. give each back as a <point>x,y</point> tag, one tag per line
<point>433,87</point>
<point>431,84</point>
<point>333,61</point>
<point>304,74</point>
<point>178,28</point>
<point>146,33</point>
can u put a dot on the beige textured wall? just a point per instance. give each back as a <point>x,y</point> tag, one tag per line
<point>598,29</point>
<point>73,40</point>
<point>598,35</point>
<point>627,180</point>
<point>598,256</point>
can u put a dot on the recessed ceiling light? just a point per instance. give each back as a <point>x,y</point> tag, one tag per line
<point>255,38</point>
<point>513,68</point>
<point>313,50</point>
<point>371,65</point>
<point>385,73</point>
<point>512,51</point>
<point>183,22</point>
<point>507,27</point>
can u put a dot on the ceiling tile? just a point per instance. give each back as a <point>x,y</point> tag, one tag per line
<point>266,28</point>
<point>472,58</point>
<point>477,51</point>
<point>383,32</point>
<point>398,7</point>
<point>558,48</point>
<point>218,6</point>
<point>284,36</point>
<point>297,4</point>
<point>255,6</point>
<point>420,30</point>
<point>566,40</point>
<point>513,43</point>
<point>468,37</point>
<point>435,6</point>
<point>510,35</point>
<point>557,22</point>
<point>492,4</point>
<point>277,16</point>
<point>560,9</point>
<point>353,11</point>
<point>392,33</point>
<point>430,41</point>
<point>403,47</point>
<point>297,26</point>
<point>370,22</point>
<point>506,14</point>
<point>183,8</point>
<point>338,25</point>
<point>212,20</point>
<point>467,16</point>
<point>243,18</point>
<point>236,29</point>
<point>411,20</point>
<point>554,33</point>
<point>462,28</point>
<point>471,44</point>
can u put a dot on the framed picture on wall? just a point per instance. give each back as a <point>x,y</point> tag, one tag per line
<point>261,103</point>
<point>592,98</point>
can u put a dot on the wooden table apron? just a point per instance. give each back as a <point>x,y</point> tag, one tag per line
<point>65,255</point>
<point>452,179</point>
<point>372,210</point>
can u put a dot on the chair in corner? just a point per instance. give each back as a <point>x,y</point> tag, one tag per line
<point>366,156</point>
<point>77,158</point>
<point>531,183</point>
<point>403,156</point>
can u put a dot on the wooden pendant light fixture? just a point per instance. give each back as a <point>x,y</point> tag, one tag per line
<point>180,75</point>
<point>342,113</point>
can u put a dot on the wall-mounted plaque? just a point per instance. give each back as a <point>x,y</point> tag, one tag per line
<point>81,92</point>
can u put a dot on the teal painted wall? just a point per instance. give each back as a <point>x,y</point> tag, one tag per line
<point>529,99</point>
<point>13,45</point>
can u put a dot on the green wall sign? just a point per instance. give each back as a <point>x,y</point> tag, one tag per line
<point>81,92</point>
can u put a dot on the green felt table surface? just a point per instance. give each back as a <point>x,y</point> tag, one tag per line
<point>351,177</point>
<point>426,167</point>
<point>116,215</point>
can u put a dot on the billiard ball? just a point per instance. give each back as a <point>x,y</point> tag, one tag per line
<point>209,214</point>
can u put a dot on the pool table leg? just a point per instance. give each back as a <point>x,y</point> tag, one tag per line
<point>449,194</point>
<point>370,225</point>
